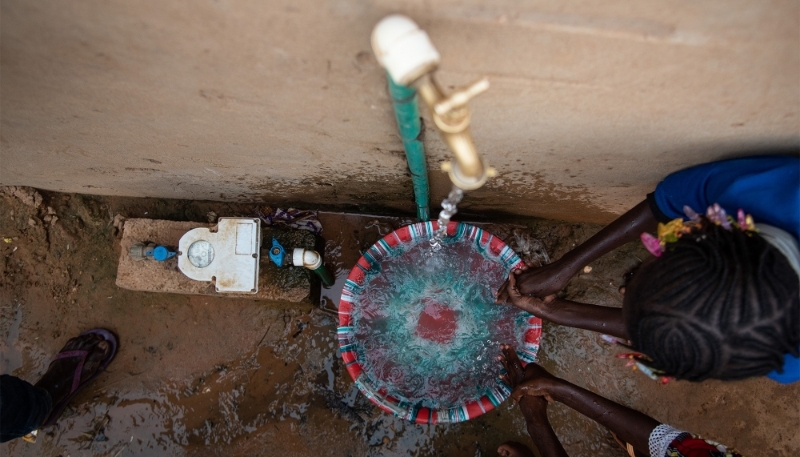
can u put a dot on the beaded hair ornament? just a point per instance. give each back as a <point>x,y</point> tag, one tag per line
<point>670,233</point>
<point>637,361</point>
<point>674,229</point>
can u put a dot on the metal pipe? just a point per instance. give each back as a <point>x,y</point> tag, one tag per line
<point>451,117</point>
<point>406,112</point>
<point>409,57</point>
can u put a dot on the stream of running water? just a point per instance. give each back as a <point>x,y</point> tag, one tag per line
<point>449,209</point>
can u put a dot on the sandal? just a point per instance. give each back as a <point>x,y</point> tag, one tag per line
<point>77,384</point>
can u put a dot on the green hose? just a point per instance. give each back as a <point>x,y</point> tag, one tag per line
<point>406,111</point>
<point>324,275</point>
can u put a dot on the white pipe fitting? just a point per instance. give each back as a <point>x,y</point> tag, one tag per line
<point>403,49</point>
<point>306,258</point>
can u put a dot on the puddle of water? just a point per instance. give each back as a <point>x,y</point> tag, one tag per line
<point>10,355</point>
<point>346,237</point>
<point>272,385</point>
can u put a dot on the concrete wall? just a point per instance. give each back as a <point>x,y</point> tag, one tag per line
<point>591,102</point>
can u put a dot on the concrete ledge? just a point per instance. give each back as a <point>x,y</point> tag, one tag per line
<point>280,284</point>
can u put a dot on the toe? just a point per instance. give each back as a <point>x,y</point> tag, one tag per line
<point>87,342</point>
<point>98,352</point>
<point>514,449</point>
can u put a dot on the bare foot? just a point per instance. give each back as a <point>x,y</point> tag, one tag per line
<point>58,379</point>
<point>514,449</point>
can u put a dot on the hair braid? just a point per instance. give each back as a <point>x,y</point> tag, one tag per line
<point>717,304</point>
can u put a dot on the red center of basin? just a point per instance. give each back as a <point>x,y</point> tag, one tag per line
<point>436,323</point>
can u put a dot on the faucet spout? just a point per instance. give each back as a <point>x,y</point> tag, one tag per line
<point>410,59</point>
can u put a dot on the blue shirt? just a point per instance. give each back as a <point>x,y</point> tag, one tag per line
<point>767,187</point>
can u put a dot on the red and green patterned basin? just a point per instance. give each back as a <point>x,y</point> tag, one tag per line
<point>419,331</point>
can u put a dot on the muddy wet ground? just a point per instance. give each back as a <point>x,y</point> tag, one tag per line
<point>200,375</point>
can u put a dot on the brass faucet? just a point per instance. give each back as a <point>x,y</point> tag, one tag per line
<point>411,60</point>
<point>451,116</point>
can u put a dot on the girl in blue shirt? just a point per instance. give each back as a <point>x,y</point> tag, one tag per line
<point>719,302</point>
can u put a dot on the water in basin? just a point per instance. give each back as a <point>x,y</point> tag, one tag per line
<point>420,331</point>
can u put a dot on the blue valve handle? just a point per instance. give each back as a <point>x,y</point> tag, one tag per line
<point>144,251</point>
<point>162,253</point>
<point>277,254</point>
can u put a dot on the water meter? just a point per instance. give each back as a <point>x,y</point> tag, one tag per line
<point>227,255</point>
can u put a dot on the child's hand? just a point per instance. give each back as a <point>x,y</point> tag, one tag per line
<point>532,380</point>
<point>533,305</point>
<point>538,382</point>
<point>515,372</point>
<point>533,406</point>
<point>541,281</point>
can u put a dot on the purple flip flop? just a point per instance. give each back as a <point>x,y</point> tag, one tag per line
<point>77,384</point>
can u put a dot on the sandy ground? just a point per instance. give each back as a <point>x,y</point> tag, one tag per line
<point>214,376</point>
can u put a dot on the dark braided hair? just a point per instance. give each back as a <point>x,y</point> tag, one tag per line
<point>717,304</point>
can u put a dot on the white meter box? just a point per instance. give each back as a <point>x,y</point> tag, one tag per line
<point>227,255</point>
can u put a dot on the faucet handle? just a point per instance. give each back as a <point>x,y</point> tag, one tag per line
<point>460,97</point>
